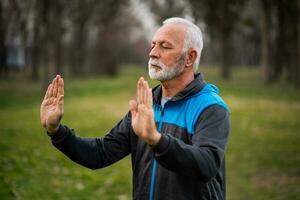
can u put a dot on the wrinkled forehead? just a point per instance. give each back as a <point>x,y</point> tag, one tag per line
<point>172,32</point>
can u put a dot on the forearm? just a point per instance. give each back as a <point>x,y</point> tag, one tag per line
<point>84,151</point>
<point>93,153</point>
<point>201,162</point>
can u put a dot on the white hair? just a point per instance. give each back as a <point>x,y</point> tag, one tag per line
<point>193,37</point>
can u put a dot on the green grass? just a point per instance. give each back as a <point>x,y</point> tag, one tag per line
<point>263,154</point>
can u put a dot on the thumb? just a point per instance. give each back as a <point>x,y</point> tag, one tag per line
<point>133,107</point>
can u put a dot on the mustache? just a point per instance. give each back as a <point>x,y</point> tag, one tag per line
<point>156,62</point>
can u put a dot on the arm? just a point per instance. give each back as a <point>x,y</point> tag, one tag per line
<point>204,157</point>
<point>92,153</point>
<point>95,153</point>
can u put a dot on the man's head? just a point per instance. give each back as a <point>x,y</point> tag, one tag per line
<point>176,47</point>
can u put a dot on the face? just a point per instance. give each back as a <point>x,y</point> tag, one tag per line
<point>166,58</point>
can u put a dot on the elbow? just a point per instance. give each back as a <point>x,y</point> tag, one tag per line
<point>211,170</point>
<point>92,166</point>
<point>209,175</point>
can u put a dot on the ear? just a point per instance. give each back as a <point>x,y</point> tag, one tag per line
<point>191,57</point>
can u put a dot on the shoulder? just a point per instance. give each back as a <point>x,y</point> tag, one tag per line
<point>214,112</point>
<point>209,95</point>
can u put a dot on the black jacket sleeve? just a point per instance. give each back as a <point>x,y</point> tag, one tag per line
<point>95,152</point>
<point>203,158</point>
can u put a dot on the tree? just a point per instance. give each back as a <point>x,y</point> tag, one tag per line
<point>221,18</point>
<point>166,9</point>
<point>79,12</point>
<point>56,24</point>
<point>3,51</point>
<point>266,39</point>
<point>298,50</point>
<point>280,40</point>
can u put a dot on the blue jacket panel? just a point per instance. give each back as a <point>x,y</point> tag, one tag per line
<point>185,113</point>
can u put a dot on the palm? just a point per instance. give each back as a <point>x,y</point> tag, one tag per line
<point>50,111</point>
<point>52,106</point>
<point>142,120</point>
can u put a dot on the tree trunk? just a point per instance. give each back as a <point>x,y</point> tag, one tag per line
<point>106,60</point>
<point>225,56</point>
<point>266,39</point>
<point>298,49</point>
<point>3,51</point>
<point>35,55</point>
<point>78,52</point>
<point>45,19</point>
<point>293,30</point>
<point>225,51</point>
<point>35,49</point>
<point>57,28</point>
<point>280,47</point>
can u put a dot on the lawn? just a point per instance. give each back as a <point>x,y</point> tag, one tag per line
<point>262,159</point>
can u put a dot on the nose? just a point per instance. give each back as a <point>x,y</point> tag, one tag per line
<point>154,52</point>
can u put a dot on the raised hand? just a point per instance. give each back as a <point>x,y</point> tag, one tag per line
<point>142,114</point>
<point>52,107</point>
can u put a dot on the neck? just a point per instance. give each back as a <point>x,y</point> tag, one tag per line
<point>171,87</point>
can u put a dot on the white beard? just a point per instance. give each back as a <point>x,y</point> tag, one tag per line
<point>165,72</point>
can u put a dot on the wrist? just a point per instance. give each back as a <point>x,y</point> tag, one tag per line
<point>155,139</point>
<point>52,130</point>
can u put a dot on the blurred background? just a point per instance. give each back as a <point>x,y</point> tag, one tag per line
<point>251,52</point>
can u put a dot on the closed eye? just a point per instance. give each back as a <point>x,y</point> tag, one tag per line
<point>162,45</point>
<point>166,45</point>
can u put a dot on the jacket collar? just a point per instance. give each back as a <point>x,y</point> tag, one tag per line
<point>192,88</point>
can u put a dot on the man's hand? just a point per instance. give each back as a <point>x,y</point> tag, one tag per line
<point>52,108</point>
<point>142,114</point>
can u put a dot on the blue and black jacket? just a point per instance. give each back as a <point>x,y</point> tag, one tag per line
<point>187,163</point>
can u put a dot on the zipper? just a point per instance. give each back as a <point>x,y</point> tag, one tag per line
<point>152,180</point>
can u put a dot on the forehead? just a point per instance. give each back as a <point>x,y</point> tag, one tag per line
<point>173,33</point>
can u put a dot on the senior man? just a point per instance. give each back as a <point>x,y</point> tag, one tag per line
<point>176,133</point>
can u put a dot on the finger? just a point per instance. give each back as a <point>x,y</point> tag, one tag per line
<point>55,86</point>
<point>60,87</point>
<point>140,91</point>
<point>149,100</point>
<point>51,89</point>
<point>150,97</point>
<point>145,92</point>
<point>133,107</point>
<point>48,91</point>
